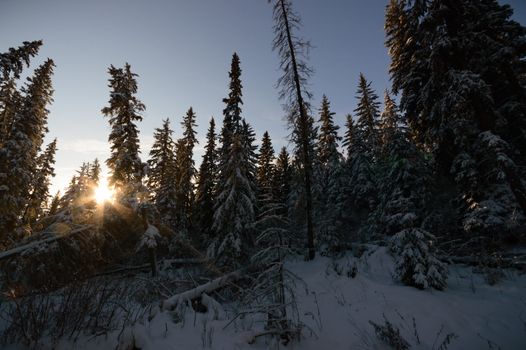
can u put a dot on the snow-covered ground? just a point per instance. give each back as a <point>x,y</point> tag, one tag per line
<point>336,310</point>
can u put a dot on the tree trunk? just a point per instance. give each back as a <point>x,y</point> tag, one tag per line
<point>153,261</point>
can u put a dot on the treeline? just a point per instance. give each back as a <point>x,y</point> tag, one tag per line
<point>442,171</point>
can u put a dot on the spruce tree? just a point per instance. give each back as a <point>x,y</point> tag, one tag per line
<point>95,172</point>
<point>265,170</point>
<point>161,174</point>
<point>281,181</point>
<point>12,62</point>
<point>10,100</point>
<point>328,179</point>
<point>232,110</point>
<point>388,125</point>
<point>54,205</point>
<point>362,140</point>
<point>235,206</point>
<point>40,184</point>
<point>462,96</point>
<point>328,138</point>
<point>124,110</point>
<point>404,191</point>
<point>368,114</point>
<point>293,51</point>
<point>207,184</point>
<point>348,139</point>
<point>186,172</point>
<point>77,198</point>
<point>18,156</point>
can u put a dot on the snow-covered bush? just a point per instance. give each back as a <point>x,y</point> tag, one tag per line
<point>390,334</point>
<point>415,263</point>
<point>39,321</point>
<point>149,238</point>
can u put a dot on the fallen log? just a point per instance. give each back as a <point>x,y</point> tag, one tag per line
<point>56,236</point>
<point>207,288</point>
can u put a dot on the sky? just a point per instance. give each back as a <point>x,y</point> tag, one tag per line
<point>181,50</point>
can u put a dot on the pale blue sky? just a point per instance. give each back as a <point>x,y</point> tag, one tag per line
<point>181,50</point>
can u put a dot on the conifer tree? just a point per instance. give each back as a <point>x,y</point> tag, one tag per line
<point>95,172</point>
<point>207,184</point>
<point>186,171</point>
<point>77,197</point>
<point>9,103</point>
<point>368,114</point>
<point>452,74</point>
<point>281,181</point>
<point>55,204</point>
<point>329,178</point>
<point>328,138</point>
<point>235,207</point>
<point>40,184</point>
<point>124,110</point>
<point>388,125</point>
<point>362,141</point>
<point>12,62</point>
<point>403,195</point>
<point>293,53</point>
<point>265,170</point>
<point>248,139</point>
<point>18,156</point>
<point>348,139</point>
<point>232,110</point>
<point>271,289</point>
<point>162,172</point>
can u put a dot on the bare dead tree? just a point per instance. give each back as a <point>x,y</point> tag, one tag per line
<point>293,52</point>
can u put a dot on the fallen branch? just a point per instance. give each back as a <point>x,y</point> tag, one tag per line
<point>518,262</point>
<point>209,287</point>
<point>124,269</point>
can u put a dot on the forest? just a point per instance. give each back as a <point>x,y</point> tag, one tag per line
<point>404,229</point>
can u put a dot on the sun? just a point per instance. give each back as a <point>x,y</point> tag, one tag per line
<point>103,193</point>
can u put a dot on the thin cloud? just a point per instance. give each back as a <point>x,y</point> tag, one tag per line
<point>85,146</point>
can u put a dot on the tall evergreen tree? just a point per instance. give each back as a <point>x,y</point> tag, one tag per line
<point>162,172</point>
<point>235,206</point>
<point>462,96</point>
<point>265,170</point>
<point>78,195</point>
<point>206,190</point>
<point>18,156</point>
<point>368,114</point>
<point>293,83</point>
<point>55,204</point>
<point>281,181</point>
<point>389,123</point>
<point>40,185</point>
<point>362,140</point>
<point>328,138</point>
<point>348,139</point>
<point>232,110</point>
<point>12,62</point>
<point>186,171</point>
<point>234,214</point>
<point>329,178</point>
<point>95,172</point>
<point>9,103</point>
<point>124,110</point>
<point>404,193</point>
